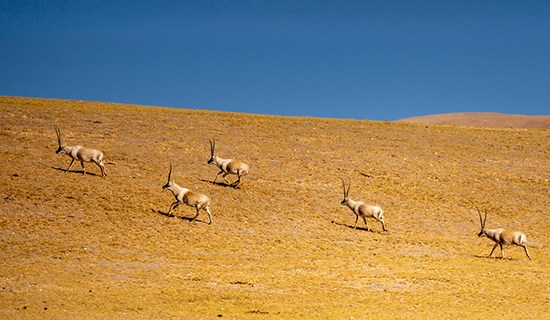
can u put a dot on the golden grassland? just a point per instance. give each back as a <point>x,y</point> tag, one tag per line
<point>281,245</point>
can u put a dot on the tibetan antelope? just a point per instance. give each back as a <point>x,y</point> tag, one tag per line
<point>361,209</point>
<point>81,154</point>
<point>188,197</point>
<point>501,236</point>
<point>227,166</point>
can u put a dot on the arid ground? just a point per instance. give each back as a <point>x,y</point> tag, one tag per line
<point>484,120</point>
<point>281,246</point>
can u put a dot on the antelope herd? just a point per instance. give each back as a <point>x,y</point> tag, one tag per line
<point>200,201</point>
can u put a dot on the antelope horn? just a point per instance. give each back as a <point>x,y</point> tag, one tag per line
<point>349,186</point>
<point>170,172</point>
<point>344,186</point>
<point>485,220</point>
<point>212,146</point>
<point>480,217</point>
<point>59,142</point>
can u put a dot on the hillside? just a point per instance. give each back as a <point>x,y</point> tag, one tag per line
<point>281,246</point>
<point>484,120</point>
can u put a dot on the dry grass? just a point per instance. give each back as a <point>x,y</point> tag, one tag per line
<point>281,246</point>
<point>484,120</point>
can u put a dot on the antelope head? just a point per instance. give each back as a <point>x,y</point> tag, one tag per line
<point>482,221</point>
<point>346,192</point>
<point>59,142</point>
<point>212,146</point>
<point>169,182</point>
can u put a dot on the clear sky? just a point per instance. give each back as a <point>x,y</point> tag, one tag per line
<point>379,60</point>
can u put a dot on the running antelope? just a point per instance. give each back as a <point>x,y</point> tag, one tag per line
<point>361,209</point>
<point>502,237</point>
<point>81,154</point>
<point>227,166</point>
<point>188,197</point>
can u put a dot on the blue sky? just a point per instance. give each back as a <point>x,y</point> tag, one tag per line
<point>379,60</point>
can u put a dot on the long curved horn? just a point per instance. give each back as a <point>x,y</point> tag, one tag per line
<point>344,186</point>
<point>480,217</point>
<point>212,146</point>
<point>59,142</point>
<point>170,172</point>
<point>481,220</point>
<point>349,186</point>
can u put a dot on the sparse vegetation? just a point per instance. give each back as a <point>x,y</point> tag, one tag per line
<point>282,246</point>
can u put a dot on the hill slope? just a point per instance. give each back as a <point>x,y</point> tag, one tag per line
<point>281,246</point>
<point>484,120</point>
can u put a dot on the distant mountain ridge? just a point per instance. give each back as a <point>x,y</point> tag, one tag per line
<point>483,119</point>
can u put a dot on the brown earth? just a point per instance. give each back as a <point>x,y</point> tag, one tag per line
<point>281,246</point>
<point>484,120</point>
